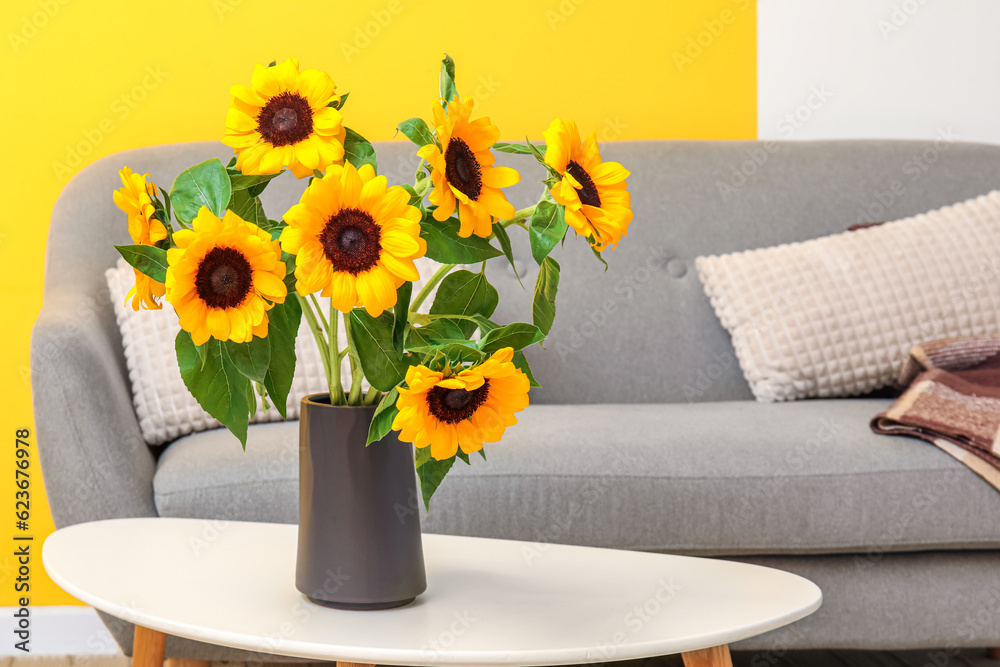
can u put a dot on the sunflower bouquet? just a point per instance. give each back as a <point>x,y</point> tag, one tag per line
<point>448,378</point>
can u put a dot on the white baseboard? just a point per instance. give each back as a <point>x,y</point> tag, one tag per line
<point>57,631</point>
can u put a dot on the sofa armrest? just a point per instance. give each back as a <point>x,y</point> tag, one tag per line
<point>94,461</point>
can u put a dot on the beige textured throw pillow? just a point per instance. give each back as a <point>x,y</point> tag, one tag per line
<point>163,405</point>
<point>837,316</point>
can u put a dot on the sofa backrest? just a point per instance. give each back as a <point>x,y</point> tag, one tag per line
<point>643,331</point>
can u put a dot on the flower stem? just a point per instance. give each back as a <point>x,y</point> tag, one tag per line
<point>519,217</point>
<point>333,351</point>
<point>319,311</point>
<point>321,342</point>
<point>372,396</point>
<point>423,185</point>
<point>431,284</point>
<point>357,373</point>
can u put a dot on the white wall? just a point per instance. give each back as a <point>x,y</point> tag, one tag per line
<point>59,631</point>
<point>879,68</point>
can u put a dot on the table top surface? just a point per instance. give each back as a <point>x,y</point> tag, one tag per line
<point>487,601</point>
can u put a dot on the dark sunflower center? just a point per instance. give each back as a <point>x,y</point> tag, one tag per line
<point>351,241</point>
<point>588,192</point>
<point>462,169</point>
<point>285,119</point>
<point>454,405</point>
<point>224,278</point>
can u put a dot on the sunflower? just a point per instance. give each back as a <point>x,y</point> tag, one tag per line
<point>223,277</point>
<point>463,171</point>
<point>282,118</point>
<point>354,238</point>
<point>448,410</point>
<point>597,204</point>
<point>135,197</point>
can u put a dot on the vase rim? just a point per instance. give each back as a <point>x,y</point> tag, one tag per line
<point>311,399</point>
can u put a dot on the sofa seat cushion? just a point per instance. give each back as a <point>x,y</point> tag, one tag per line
<point>730,478</point>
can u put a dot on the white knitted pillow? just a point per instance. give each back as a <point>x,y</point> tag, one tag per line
<point>163,405</point>
<point>165,408</point>
<point>837,316</point>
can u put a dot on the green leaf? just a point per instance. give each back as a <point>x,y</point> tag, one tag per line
<point>543,305</point>
<point>438,331</point>
<point>431,474</point>
<point>518,335</point>
<point>447,80</point>
<point>384,414</point>
<point>535,150</point>
<point>455,351</point>
<point>517,149</point>
<point>546,228</point>
<point>484,324</point>
<point>421,456</point>
<point>446,246</point>
<point>417,131</point>
<point>401,313</point>
<point>273,226</point>
<point>146,259</point>
<point>521,362</point>
<point>482,452</point>
<point>238,181</point>
<point>358,150</point>
<point>251,358</point>
<point>218,385</point>
<point>465,293</point>
<point>501,233</point>
<point>248,207</point>
<point>252,399</point>
<point>600,258</point>
<point>383,365</point>
<point>166,206</point>
<point>415,199</point>
<point>205,184</point>
<point>339,104</point>
<point>465,457</point>
<point>282,328</point>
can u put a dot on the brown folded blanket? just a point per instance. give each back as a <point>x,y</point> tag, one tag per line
<point>952,400</point>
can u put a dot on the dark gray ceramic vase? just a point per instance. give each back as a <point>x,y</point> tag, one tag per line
<point>359,521</point>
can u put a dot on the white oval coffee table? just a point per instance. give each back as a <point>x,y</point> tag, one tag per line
<point>488,602</point>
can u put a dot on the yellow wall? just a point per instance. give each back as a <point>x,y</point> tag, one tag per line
<point>85,79</point>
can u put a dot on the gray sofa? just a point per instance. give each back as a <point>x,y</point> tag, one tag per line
<point>645,434</point>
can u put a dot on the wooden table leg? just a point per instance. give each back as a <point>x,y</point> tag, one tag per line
<point>717,656</point>
<point>147,647</point>
<point>352,664</point>
<point>993,653</point>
